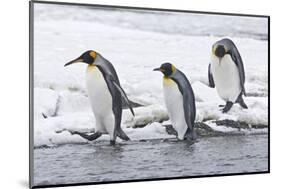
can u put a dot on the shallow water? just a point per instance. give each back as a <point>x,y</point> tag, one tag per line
<point>98,161</point>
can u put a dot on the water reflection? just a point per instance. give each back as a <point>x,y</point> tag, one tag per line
<point>99,161</point>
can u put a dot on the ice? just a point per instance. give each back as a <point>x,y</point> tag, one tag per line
<point>60,98</point>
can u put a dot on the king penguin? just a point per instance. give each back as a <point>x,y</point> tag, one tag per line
<point>179,100</point>
<point>105,95</point>
<point>226,73</point>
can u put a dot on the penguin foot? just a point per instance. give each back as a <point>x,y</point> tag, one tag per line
<point>112,142</point>
<point>86,136</point>
<point>227,107</point>
<point>221,105</point>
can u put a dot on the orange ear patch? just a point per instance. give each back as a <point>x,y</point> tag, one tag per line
<point>173,68</point>
<point>93,54</point>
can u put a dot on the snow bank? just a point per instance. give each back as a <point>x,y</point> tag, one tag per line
<point>145,115</point>
<point>145,124</point>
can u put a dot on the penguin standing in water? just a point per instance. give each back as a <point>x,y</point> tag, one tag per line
<point>226,73</point>
<point>105,94</point>
<point>180,101</point>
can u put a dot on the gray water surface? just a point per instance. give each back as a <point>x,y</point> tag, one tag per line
<point>97,162</point>
<point>159,21</point>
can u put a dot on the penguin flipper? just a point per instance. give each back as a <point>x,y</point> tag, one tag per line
<point>235,55</point>
<point>124,96</point>
<point>210,76</point>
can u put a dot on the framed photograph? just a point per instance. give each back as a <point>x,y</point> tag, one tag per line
<point>126,94</point>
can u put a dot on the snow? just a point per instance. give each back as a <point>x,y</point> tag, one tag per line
<point>207,101</point>
<point>62,34</point>
<point>45,102</point>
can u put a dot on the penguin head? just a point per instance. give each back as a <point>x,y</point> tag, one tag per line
<point>223,47</point>
<point>219,51</point>
<point>167,69</point>
<point>87,57</point>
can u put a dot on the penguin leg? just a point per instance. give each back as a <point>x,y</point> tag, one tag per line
<point>241,102</point>
<point>109,124</point>
<point>112,138</point>
<point>88,137</point>
<point>227,107</point>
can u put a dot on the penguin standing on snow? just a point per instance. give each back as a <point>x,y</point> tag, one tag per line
<point>226,73</point>
<point>179,99</point>
<point>105,94</point>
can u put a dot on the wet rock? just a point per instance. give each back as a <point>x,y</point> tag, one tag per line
<point>238,124</point>
<point>257,94</point>
<point>140,125</point>
<point>201,129</point>
<point>204,130</point>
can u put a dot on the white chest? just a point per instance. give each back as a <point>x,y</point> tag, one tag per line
<point>226,78</point>
<point>99,95</point>
<point>174,103</point>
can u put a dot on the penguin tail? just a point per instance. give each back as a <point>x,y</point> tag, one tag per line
<point>190,135</point>
<point>241,101</point>
<point>121,134</point>
<point>243,91</point>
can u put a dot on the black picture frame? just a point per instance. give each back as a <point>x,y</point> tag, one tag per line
<point>31,90</point>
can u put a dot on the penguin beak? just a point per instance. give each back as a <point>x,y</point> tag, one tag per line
<point>158,69</point>
<point>74,61</point>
